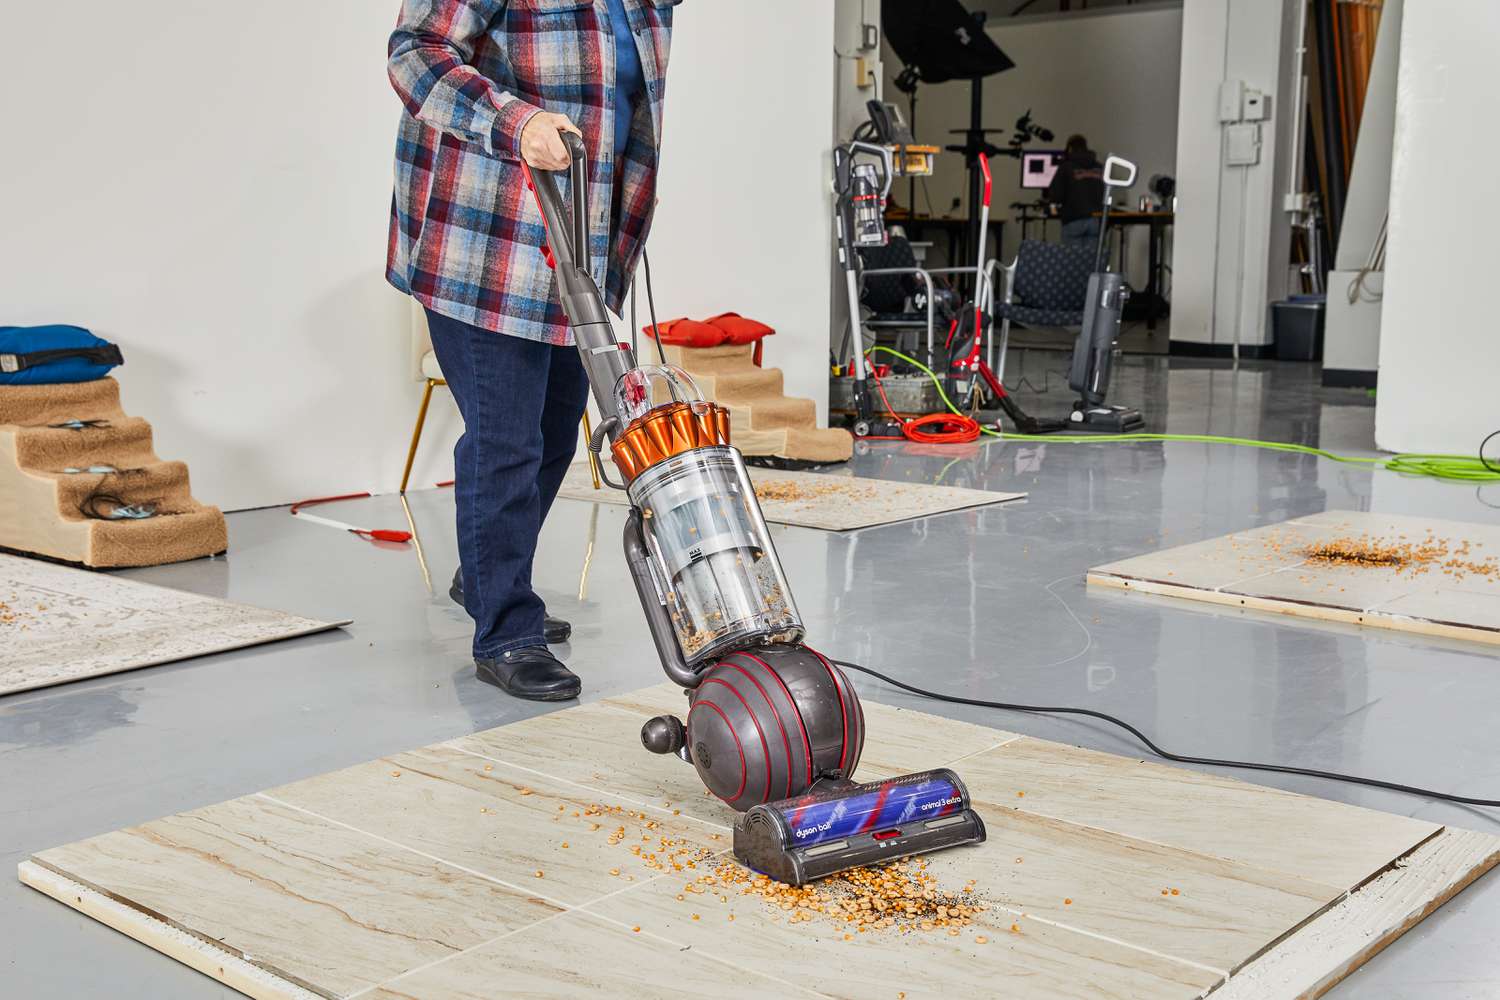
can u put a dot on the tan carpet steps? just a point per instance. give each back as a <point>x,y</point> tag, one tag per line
<point>46,501</point>
<point>164,483</point>
<point>765,421</point>
<point>125,444</point>
<point>773,413</point>
<point>736,386</point>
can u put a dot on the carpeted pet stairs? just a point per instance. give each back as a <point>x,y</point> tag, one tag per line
<point>722,355</point>
<point>43,504</point>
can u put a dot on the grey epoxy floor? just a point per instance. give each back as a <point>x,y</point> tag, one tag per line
<point>987,603</point>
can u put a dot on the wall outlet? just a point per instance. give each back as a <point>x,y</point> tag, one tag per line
<point>1257,106</point>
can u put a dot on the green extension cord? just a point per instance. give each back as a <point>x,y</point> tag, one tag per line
<point>1453,468</point>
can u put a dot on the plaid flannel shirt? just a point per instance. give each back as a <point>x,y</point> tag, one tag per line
<point>465,235</point>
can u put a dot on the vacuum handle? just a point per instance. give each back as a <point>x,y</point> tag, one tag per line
<point>1111,179</point>
<point>567,233</point>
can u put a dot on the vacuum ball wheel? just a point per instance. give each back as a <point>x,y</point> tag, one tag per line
<point>861,428</point>
<point>765,724</point>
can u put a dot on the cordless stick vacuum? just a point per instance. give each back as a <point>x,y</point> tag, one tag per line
<point>773,728</point>
<point>1093,354</point>
<point>860,188</point>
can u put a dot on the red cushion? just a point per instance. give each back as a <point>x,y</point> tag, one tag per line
<point>688,333</point>
<point>740,330</point>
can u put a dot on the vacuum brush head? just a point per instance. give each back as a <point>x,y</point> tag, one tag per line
<point>839,825</point>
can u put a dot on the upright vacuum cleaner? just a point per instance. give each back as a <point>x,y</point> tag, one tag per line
<point>773,728</point>
<point>860,187</point>
<point>1093,353</point>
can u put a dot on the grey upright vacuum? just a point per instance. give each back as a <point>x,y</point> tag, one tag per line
<point>773,728</point>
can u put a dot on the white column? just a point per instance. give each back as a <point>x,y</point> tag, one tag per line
<point>1229,254</point>
<point>1439,365</point>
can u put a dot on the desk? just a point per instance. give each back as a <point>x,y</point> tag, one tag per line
<point>1032,215</point>
<point>1153,299</point>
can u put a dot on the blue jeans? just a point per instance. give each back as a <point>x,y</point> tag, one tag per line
<point>1085,231</point>
<point>521,401</point>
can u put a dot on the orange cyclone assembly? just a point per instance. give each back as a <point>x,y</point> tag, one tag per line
<point>667,430</point>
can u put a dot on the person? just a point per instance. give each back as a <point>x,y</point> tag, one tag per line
<point>1077,189</point>
<point>485,84</point>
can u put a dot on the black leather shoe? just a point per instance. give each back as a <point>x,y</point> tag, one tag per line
<point>554,630</point>
<point>532,673</point>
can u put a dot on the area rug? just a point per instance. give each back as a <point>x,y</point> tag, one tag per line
<point>59,624</point>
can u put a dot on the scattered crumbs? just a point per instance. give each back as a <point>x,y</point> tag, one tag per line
<point>900,896</point>
<point>1400,555</point>
<point>786,491</point>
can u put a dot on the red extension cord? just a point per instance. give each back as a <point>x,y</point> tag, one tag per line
<point>952,428</point>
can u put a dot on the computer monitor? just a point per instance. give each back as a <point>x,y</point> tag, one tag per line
<point>1038,167</point>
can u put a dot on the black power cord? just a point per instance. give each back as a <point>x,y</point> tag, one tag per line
<point>1484,461</point>
<point>1146,741</point>
<point>651,305</point>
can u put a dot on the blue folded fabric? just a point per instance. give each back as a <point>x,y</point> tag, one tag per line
<point>41,355</point>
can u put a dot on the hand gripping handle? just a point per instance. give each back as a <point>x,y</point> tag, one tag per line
<point>567,232</point>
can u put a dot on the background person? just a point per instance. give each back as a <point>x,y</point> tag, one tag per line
<point>1077,189</point>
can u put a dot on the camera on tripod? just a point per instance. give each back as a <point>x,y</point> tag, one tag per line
<point>1026,130</point>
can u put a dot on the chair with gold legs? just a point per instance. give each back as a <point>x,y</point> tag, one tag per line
<point>427,365</point>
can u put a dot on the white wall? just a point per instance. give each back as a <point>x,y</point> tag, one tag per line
<point>744,219</point>
<point>1111,76</point>
<point>854,85</point>
<point>207,185</point>
<point>1438,359</point>
<point>1229,259</point>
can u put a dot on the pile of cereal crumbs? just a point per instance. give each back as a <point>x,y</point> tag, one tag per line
<point>900,896</point>
<point>1414,557</point>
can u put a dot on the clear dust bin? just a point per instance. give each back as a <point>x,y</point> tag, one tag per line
<point>715,568</point>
